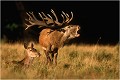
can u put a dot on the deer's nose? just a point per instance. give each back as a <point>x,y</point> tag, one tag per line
<point>38,54</point>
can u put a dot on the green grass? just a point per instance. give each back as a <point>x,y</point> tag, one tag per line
<point>74,62</point>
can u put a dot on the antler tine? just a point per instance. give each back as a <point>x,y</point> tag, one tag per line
<point>42,18</point>
<point>30,20</point>
<point>67,19</point>
<point>34,21</point>
<point>54,14</point>
<point>67,15</point>
<point>70,18</point>
<point>50,16</point>
<point>27,26</point>
<point>29,16</point>
<point>44,14</point>
<point>63,18</point>
<point>64,13</point>
<point>49,20</point>
<point>33,16</point>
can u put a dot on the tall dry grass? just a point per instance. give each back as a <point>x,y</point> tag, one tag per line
<point>74,62</point>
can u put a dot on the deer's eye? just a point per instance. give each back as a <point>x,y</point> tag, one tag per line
<point>30,49</point>
<point>68,26</point>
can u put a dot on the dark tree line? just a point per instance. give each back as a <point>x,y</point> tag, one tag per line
<point>13,23</point>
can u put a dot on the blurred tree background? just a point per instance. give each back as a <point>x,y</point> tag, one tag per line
<point>97,19</point>
<point>13,23</point>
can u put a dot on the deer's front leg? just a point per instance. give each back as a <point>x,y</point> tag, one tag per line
<point>47,56</point>
<point>52,57</point>
<point>56,54</point>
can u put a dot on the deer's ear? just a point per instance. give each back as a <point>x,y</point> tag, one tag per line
<point>67,27</point>
<point>32,45</point>
<point>25,45</point>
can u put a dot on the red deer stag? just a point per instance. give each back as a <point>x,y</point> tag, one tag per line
<point>56,34</point>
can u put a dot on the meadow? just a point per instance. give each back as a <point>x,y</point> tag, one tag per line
<point>82,61</point>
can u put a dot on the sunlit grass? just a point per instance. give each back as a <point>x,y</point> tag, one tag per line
<point>74,62</point>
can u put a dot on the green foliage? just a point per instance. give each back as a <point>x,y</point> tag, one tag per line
<point>103,56</point>
<point>73,54</point>
<point>12,26</point>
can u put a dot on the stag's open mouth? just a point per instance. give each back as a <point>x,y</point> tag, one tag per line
<point>77,35</point>
<point>77,32</point>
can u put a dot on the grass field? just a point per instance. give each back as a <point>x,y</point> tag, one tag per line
<point>74,62</point>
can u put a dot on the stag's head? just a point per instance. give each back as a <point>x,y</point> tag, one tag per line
<point>31,51</point>
<point>71,31</point>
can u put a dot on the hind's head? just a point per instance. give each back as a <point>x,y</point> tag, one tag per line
<point>31,51</point>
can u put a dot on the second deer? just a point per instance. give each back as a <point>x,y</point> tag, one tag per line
<point>31,53</point>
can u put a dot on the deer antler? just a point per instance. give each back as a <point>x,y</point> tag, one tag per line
<point>67,17</point>
<point>33,21</point>
<point>47,20</point>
